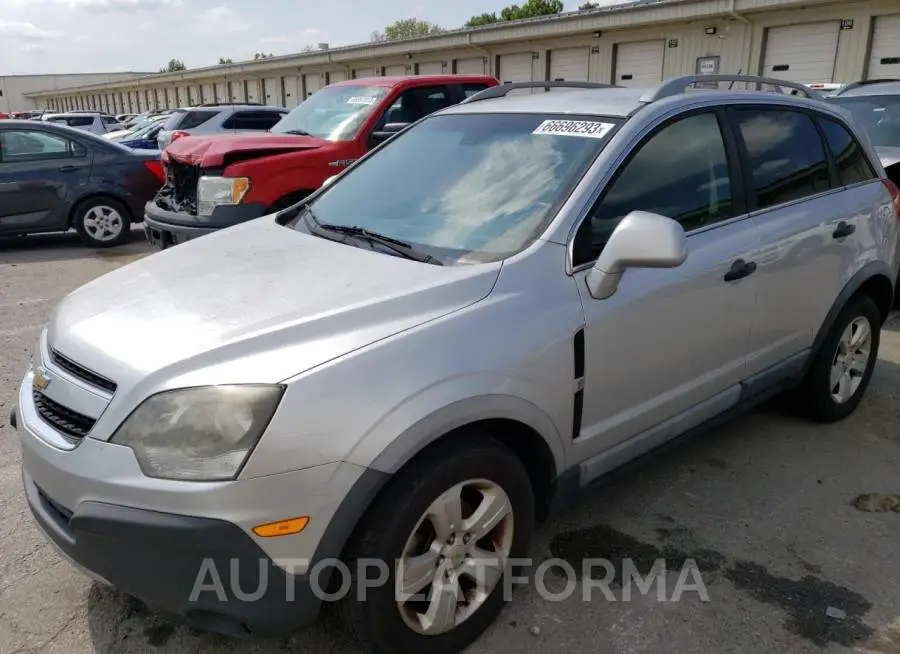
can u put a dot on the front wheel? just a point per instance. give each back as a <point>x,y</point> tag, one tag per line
<point>446,529</point>
<point>842,369</point>
<point>102,223</point>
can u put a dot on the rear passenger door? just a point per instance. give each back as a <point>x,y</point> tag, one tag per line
<point>808,226</point>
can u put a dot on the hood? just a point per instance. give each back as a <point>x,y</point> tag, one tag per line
<point>256,303</point>
<point>211,151</point>
<point>888,156</point>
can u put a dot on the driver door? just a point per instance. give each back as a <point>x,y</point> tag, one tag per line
<point>410,106</point>
<point>669,349</point>
<point>39,171</point>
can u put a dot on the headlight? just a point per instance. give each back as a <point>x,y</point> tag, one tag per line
<point>201,434</point>
<point>213,191</point>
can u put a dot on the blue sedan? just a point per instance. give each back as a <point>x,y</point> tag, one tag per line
<point>144,138</point>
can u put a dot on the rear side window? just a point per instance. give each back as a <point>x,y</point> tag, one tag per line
<point>256,120</point>
<point>75,121</point>
<point>852,163</point>
<point>785,153</point>
<point>174,120</point>
<point>193,119</point>
<point>108,120</point>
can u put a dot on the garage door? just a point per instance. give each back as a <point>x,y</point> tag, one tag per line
<point>802,53</point>
<point>516,67</point>
<point>313,82</point>
<point>395,71</point>
<point>254,93</point>
<point>221,92</point>
<point>639,63</point>
<point>429,68</point>
<point>236,89</point>
<point>884,61</point>
<point>570,64</point>
<point>208,93</point>
<point>336,76</point>
<point>272,87</point>
<point>292,91</point>
<point>360,73</point>
<point>472,66</point>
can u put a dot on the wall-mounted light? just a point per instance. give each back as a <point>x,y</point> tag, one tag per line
<point>709,31</point>
<point>598,34</point>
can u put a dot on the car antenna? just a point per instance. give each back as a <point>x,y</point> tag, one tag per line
<point>731,86</point>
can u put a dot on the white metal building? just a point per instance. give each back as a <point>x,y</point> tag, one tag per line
<point>15,89</point>
<point>634,44</point>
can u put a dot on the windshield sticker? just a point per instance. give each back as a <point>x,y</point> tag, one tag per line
<point>361,100</point>
<point>585,128</point>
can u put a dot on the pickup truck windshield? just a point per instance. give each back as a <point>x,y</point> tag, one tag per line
<point>467,188</point>
<point>335,113</point>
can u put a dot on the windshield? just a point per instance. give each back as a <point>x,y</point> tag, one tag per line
<point>335,113</point>
<point>879,115</point>
<point>467,188</point>
<point>141,131</point>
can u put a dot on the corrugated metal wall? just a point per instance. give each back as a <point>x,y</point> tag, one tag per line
<point>735,43</point>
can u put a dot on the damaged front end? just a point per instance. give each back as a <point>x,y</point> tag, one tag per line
<point>179,192</point>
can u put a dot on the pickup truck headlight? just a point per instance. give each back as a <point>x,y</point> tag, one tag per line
<point>215,191</point>
<point>199,434</point>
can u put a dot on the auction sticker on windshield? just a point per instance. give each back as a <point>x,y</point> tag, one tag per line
<point>361,100</point>
<point>586,128</point>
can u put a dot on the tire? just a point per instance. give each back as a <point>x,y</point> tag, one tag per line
<point>815,398</point>
<point>391,525</point>
<point>102,222</point>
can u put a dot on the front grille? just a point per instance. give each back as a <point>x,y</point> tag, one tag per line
<point>82,373</point>
<point>182,179</point>
<point>69,423</point>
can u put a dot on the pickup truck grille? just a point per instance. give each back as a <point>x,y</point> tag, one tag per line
<point>180,190</point>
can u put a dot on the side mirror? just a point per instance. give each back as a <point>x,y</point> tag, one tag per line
<point>387,131</point>
<point>641,240</point>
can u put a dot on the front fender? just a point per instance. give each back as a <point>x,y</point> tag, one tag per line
<point>421,420</point>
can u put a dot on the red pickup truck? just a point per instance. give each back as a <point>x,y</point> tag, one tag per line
<point>213,182</point>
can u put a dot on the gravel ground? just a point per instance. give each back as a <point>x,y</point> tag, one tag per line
<point>765,505</point>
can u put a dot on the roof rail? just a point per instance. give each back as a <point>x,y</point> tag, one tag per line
<point>678,85</point>
<point>501,90</point>
<point>865,82</point>
<point>230,104</point>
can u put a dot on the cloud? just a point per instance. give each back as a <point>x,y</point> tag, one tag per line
<point>25,31</point>
<point>106,5</point>
<point>34,48</point>
<point>309,36</point>
<point>221,20</point>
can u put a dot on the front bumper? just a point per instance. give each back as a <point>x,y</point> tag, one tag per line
<point>208,573</point>
<point>157,539</point>
<point>165,229</point>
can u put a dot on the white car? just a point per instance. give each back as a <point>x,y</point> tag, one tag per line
<point>88,122</point>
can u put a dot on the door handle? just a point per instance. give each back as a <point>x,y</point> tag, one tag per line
<point>843,229</point>
<point>68,169</point>
<point>740,269</point>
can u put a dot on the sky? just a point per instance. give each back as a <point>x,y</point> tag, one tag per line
<point>82,36</point>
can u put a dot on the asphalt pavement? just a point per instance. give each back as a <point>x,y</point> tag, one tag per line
<point>767,506</point>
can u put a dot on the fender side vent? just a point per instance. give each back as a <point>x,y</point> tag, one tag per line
<point>578,401</point>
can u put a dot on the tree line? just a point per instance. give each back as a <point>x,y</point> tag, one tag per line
<point>408,28</point>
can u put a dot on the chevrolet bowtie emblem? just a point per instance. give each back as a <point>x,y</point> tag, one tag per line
<point>41,381</point>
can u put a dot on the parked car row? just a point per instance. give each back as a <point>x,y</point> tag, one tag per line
<point>416,363</point>
<point>54,177</point>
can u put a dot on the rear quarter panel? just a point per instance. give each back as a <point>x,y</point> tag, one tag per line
<point>125,178</point>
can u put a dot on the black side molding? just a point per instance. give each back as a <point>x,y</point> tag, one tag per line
<point>578,401</point>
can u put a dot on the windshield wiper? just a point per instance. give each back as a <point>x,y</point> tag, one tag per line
<point>402,248</point>
<point>297,132</point>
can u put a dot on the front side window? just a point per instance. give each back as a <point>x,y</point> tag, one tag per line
<point>680,172</point>
<point>878,115</point>
<point>417,103</point>
<point>335,113</point>
<point>472,88</point>
<point>195,118</point>
<point>467,188</point>
<point>852,163</point>
<point>785,155</point>
<point>26,145</point>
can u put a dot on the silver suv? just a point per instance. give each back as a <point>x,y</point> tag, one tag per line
<point>213,118</point>
<point>409,369</point>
